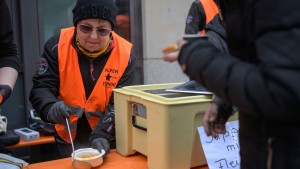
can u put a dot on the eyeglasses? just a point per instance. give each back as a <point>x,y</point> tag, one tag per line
<point>89,30</point>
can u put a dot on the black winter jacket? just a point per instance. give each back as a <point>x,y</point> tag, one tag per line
<point>215,30</point>
<point>260,76</point>
<point>8,48</point>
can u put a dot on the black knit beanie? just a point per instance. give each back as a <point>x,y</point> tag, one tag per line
<point>98,9</point>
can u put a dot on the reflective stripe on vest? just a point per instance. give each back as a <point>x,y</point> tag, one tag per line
<point>210,10</point>
<point>71,85</point>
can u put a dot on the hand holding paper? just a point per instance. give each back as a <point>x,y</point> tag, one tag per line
<point>212,122</point>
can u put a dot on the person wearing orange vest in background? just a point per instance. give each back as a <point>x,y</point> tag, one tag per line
<point>78,71</point>
<point>201,12</point>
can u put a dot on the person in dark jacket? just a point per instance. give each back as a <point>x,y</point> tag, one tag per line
<point>216,34</point>
<point>200,13</point>
<point>9,62</point>
<point>260,76</point>
<point>78,71</point>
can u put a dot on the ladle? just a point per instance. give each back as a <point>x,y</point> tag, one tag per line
<point>71,139</point>
<point>75,163</point>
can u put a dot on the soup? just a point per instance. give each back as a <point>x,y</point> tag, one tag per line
<point>90,155</point>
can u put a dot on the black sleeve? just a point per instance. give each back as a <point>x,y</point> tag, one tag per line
<point>8,48</point>
<point>196,18</point>
<point>270,88</point>
<point>45,89</point>
<point>106,126</point>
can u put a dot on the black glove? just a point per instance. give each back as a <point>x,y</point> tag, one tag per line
<point>101,144</point>
<point>5,91</point>
<point>60,111</point>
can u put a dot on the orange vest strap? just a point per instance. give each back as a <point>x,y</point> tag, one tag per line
<point>210,9</point>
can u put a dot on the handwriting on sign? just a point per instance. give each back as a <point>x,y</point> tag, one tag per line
<point>224,163</point>
<point>232,133</point>
<point>222,151</point>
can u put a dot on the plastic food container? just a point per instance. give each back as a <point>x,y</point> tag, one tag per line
<point>90,155</point>
<point>161,125</point>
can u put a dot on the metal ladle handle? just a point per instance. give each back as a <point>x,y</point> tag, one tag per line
<point>70,139</point>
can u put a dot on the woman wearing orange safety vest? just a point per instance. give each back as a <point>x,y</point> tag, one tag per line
<point>201,12</point>
<point>78,71</point>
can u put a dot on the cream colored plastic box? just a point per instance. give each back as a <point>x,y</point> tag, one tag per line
<point>161,125</point>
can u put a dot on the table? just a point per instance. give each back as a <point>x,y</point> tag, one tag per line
<point>42,140</point>
<point>112,161</point>
<point>34,148</point>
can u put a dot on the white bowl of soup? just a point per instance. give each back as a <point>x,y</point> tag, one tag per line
<point>90,155</point>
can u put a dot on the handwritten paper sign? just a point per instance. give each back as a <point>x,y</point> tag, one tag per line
<point>222,152</point>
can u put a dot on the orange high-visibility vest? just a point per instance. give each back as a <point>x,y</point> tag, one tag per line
<point>71,85</point>
<point>210,10</point>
